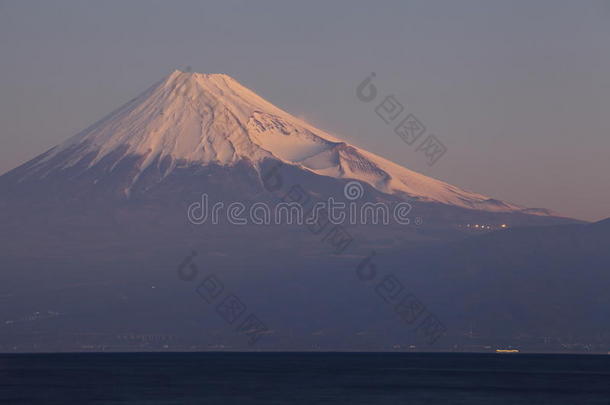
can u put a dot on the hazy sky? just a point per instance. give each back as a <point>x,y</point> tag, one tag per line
<point>519,91</point>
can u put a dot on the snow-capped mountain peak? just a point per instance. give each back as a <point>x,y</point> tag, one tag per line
<point>196,118</point>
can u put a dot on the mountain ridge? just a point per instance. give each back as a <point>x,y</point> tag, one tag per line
<point>201,119</point>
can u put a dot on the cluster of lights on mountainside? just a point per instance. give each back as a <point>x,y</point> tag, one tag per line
<point>483,227</point>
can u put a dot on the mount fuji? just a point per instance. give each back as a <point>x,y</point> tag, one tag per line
<point>95,229</point>
<point>191,120</point>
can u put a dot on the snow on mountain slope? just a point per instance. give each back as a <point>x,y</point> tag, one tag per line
<point>212,119</point>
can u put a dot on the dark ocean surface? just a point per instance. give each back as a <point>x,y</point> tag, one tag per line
<point>303,378</point>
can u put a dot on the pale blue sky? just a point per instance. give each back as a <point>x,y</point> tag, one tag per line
<point>519,91</point>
